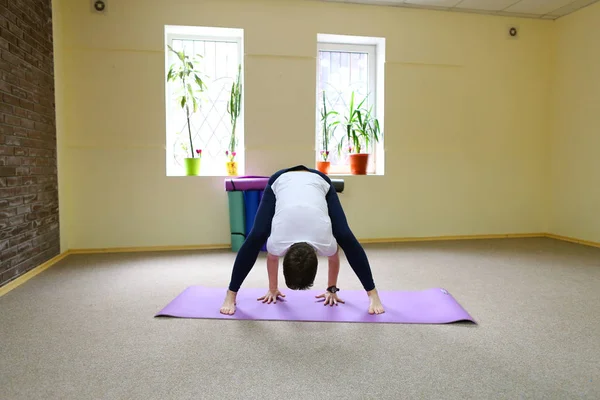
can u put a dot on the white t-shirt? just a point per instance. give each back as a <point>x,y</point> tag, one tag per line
<point>301,214</point>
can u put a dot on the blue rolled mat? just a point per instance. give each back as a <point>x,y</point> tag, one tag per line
<point>264,248</point>
<point>251,202</point>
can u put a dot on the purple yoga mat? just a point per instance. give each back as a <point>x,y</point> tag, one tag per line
<point>246,183</point>
<point>431,306</point>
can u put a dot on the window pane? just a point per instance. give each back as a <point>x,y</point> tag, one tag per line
<point>339,74</point>
<point>210,126</point>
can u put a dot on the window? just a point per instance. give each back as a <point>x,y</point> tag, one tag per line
<point>346,66</point>
<point>217,54</point>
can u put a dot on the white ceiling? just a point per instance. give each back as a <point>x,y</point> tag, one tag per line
<point>544,9</point>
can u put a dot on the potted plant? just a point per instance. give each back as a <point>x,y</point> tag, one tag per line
<point>367,131</point>
<point>349,122</point>
<point>362,128</point>
<point>327,133</point>
<point>191,85</point>
<point>234,109</point>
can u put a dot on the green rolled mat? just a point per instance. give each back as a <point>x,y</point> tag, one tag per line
<point>237,219</point>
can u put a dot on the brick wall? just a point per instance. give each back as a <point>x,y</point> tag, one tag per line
<point>29,233</point>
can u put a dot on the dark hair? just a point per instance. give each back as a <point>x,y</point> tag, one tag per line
<point>300,266</point>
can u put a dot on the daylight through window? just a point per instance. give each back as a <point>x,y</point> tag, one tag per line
<point>214,59</point>
<point>349,75</point>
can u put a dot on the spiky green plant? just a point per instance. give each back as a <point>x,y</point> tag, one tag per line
<point>328,127</point>
<point>367,129</point>
<point>362,128</point>
<point>234,108</point>
<point>349,122</point>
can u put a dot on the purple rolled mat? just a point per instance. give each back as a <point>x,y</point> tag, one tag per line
<point>246,183</point>
<point>430,306</point>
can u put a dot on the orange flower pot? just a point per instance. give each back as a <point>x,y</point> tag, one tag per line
<point>358,163</point>
<point>323,166</point>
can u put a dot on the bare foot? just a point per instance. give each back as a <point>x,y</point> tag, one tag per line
<point>375,306</point>
<point>228,307</point>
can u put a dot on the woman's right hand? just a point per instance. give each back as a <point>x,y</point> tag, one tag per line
<point>271,296</point>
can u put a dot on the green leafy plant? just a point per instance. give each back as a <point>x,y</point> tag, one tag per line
<point>350,121</point>
<point>192,85</point>
<point>328,127</point>
<point>366,130</point>
<point>234,109</point>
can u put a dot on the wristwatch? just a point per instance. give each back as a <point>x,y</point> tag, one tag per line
<point>333,289</point>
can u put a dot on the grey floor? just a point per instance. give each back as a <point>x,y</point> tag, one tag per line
<point>84,329</point>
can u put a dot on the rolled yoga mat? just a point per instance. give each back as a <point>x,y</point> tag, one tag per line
<point>260,183</point>
<point>246,183</point>
<point>251,201</point>
<point>264,248</point>
<point>237,220</point>
<point>431,306</point>
<point>244,202</point>
<point>338,184</point>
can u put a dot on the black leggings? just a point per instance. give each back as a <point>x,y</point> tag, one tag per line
<point>261,230</point>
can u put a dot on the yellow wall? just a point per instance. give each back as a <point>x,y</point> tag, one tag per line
<point>466,114</point>
<point>575,144</point>
<point>61,151</point>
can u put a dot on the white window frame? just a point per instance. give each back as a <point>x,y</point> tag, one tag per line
<point>357,48</point>
<point>204,34</point>
<point>371,51</point>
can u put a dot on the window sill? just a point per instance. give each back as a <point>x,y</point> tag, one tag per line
<point>208,170</point>
<point>345,171</point>
<point>349,174</point>
<point>204,176</point>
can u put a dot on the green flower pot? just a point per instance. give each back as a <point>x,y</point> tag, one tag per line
<point>192,166</point>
